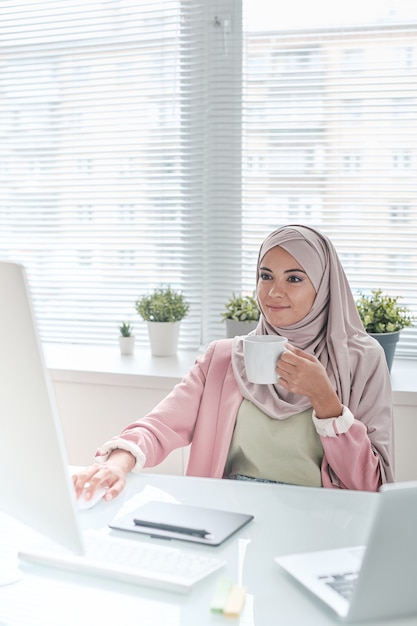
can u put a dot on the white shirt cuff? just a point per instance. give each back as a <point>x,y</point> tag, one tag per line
<point>103,453</point>
<point>334,426</point>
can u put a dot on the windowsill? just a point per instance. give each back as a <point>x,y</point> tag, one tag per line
<point>105,366</point>
<point>404,382</point>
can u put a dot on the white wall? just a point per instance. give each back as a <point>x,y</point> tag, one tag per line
<point>405,442</point>
<point>94,412</point>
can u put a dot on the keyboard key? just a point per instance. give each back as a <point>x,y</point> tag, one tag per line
<point>130,561</point>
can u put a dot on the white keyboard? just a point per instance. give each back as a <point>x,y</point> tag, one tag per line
<point>131,561</point>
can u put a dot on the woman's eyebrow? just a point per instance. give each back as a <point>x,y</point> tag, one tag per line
<point>296,269</point>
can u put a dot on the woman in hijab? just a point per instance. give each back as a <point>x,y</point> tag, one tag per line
<point>327,421</point>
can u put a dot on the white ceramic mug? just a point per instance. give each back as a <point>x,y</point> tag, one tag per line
<point>261,354</point>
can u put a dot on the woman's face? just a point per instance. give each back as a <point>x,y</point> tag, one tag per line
<point>285,293</point>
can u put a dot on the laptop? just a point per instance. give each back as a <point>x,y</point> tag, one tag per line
<point>35,483</point>
<point>371,582</point>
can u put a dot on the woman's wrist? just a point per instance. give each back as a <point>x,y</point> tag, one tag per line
<point>327,407</point>
<point>124,459</point>
<point>124,446</point>
<point>334,426</point>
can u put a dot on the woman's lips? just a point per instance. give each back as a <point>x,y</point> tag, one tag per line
<point>275,307</point>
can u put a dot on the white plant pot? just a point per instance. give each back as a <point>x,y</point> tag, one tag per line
<point>163,337</point>
<point>127,344</point>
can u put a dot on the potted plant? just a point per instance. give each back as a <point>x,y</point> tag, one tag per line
<point>163,310</point>
<point>241,314</point>
<point>383,318</point>
<point>126,338</point>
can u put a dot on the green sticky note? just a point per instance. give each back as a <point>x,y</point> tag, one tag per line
<point>221,594</point>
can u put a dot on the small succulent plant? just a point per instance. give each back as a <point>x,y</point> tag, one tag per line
<point>126,329</point>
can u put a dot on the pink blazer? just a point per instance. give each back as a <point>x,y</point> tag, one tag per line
<point>202,410</point>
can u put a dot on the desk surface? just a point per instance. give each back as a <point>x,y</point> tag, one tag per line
<point>287,519</point>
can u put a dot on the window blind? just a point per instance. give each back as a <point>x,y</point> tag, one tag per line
<point>330,135</point>
<point>151,142</point>
<point>117,118</point>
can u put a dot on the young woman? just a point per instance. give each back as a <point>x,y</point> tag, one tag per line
<point>326,422</point>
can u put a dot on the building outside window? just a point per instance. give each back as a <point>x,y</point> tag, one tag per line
<point>166,149</point>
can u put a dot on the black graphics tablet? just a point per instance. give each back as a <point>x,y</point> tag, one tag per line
<point>184,522</point>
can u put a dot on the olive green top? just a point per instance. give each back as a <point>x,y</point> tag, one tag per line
<point>287,450</point>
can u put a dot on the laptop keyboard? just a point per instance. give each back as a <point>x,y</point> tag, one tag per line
<point>342,583</point>
<point>135,562</point>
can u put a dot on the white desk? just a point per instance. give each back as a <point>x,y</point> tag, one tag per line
<point>287,519</point>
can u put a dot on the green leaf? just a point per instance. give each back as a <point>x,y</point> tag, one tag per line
<point>241,308</point>
<point>381,313</point>
<point>162,305</point>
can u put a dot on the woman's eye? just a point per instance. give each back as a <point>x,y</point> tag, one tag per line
<point>264,276</point>
<point>294,279</point>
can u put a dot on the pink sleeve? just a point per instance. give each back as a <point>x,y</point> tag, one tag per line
<point>170,424</point>
<point>350,462</point>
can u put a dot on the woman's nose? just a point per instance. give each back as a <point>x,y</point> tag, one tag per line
<point>276,289</point>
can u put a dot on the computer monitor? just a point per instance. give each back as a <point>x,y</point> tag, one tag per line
<point>35,484</point>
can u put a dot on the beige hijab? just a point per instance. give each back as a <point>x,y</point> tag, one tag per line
<point>333,332</point>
